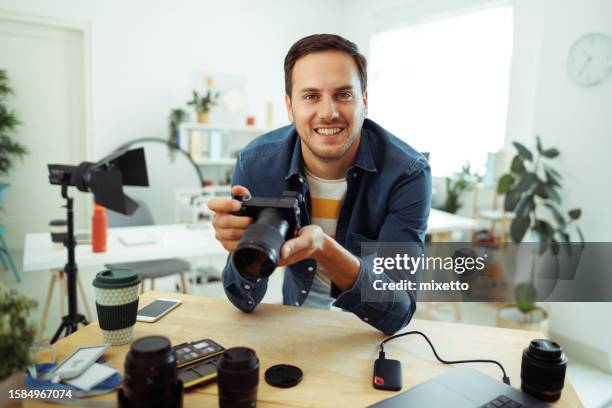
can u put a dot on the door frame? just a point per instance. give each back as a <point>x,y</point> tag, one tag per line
<point>85,30</point>
<point>80,100</point>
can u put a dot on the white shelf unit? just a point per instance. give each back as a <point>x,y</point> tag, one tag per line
<point>224,161</point>
<point>214,146</point>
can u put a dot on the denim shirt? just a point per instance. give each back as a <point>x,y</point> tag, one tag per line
<point>387,200</point>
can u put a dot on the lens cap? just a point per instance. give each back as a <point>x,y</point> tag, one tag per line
<point>283,375</point>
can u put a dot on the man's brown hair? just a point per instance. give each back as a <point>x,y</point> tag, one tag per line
<point>324,42</point>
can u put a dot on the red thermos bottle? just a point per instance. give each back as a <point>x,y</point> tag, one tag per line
<point>98,229</point>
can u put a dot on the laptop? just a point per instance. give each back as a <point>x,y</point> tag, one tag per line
<point>461,387</point>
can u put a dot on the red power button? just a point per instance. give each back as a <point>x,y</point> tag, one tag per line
<point>379,380</point>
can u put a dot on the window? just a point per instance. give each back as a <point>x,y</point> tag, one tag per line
<point>442,86</point>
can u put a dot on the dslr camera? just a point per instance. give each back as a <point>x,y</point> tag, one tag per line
<point>276,220</point>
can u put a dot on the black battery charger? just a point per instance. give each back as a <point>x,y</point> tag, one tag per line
<point>387,374</point>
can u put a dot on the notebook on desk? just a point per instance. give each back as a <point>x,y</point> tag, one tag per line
<point>136,239</point>
<point>461,387</point>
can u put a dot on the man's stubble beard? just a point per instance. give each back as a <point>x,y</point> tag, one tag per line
<point>345,148</point>
<point>327,157</point>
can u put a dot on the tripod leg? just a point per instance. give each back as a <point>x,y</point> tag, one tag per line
<point>57,333</point>
<point>84,299</point>
<point>45,315</point>
<point>62,285</point>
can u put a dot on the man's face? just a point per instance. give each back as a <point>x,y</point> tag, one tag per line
<point>326,103</point>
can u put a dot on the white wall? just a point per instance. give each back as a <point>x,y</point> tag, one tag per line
<point>144,54</point>
<point>578,121</point>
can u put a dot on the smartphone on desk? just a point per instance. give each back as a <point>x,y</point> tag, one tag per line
<point>157,309</point>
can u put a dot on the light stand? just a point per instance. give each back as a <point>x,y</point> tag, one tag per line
<point>71,321</point>
<point>105,179</point>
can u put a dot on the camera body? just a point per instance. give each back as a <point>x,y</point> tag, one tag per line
<point>276,219</point>
<point>288,206</point>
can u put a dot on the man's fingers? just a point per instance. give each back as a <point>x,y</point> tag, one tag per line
<point>296,245</point>
<point>224,205</point>
<point>229,234</point>
<point>294,257</point>
<point>231,221</point>
<point>230,245</point>
<point>238,190</point>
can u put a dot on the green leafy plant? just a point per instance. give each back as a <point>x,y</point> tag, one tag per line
<point>177,116</point>
<point>525,294</point>
<point>531,185</point>
<point>9,148</point>
<point>16,332</point>
<point>203,103</point>
<point>457,185</point>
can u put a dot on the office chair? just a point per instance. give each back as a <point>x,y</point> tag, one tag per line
<point>148,269</point>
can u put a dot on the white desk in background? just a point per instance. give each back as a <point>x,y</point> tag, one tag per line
<point>172,241</point>
<point>167,241</point>
<point>441,224</point>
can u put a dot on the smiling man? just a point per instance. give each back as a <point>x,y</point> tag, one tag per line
<point>361,184</point>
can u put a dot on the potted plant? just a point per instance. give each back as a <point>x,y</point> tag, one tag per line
<point>456,186</point>
<point>531,190</point>
<point>16,338</point>
<point>202,104</point>
<point>177,116</point>
<point>9,148</point>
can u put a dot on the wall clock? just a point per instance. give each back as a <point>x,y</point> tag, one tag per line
<point>590,59</point>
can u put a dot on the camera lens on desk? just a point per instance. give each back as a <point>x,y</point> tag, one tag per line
<point>237,378</point>
<point>150,375</point>
<point>543,370</point>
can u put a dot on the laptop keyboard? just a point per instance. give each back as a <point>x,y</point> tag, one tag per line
<point>502,402</point>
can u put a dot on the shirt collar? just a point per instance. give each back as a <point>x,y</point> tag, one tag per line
<point>365,155</point>
<point>364,159</point>
<point>295,165</point>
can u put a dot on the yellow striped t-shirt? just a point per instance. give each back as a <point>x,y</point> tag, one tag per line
<point>325,200</point>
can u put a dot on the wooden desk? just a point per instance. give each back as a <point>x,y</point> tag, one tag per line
<point>335,350</point>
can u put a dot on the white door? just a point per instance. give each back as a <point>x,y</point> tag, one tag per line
<point>45,66</point>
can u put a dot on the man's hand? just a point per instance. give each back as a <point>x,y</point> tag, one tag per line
<point>229,228</point>
<point>341,266</point>
<point>307,244</point>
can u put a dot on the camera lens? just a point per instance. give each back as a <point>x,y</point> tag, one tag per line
<point>150,375</point>
<point>237,378</point>
<point>258,251</point>
<point>543,370</point>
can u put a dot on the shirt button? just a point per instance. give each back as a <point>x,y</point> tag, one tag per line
<point>301,180</point>
<point>303,291</point>
<point>311,268</point>
<point>247,286</point>
<point>297,303</point>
